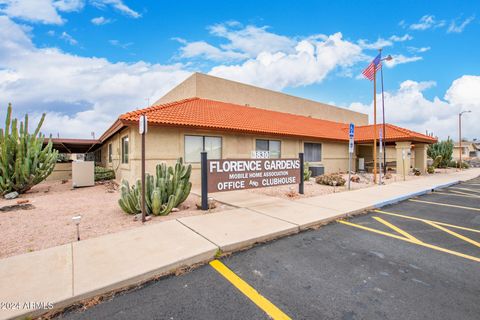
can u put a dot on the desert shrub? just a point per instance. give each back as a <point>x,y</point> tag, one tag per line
<point>307,173</point>
<point>443,149</point>
<point>437,161</point>
<point>329,179</point>
<point>416,171</point>
<point>102,173</point>
<point>431,169</point>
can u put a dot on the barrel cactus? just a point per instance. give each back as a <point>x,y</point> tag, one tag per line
<point>24,160</point>
<point>163,192</point>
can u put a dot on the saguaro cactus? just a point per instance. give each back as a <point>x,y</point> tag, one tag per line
<point>163,192</point>
<point>24,161</point>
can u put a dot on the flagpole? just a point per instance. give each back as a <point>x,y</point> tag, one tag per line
<point>384,131</point>
<point>374,123</point>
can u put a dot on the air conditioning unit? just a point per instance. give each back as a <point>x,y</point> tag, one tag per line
<point>361,164</point>
<point>83,174</point>
<point>317,170</point>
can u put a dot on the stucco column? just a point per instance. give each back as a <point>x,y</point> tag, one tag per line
<point>403,157</point>
<point>421,157</point>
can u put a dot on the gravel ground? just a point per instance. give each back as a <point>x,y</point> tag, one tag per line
<point>50,224</point>
<point>312,189</point>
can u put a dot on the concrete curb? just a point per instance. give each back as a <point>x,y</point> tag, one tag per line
<point>414,194</point>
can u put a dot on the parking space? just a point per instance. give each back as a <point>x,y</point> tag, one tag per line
<point>418,259</point>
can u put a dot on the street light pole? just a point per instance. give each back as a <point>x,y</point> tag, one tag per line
<point>460,136</point>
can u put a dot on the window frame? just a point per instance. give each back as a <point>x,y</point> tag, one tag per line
<point>203,145</point>
<point>125,160</point>
<point>268,146</point>
<point>312,143</point>
<point>110,153</point>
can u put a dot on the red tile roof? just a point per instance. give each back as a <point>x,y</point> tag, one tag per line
<point>216,115</point>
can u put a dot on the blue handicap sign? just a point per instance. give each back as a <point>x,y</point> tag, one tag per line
<point>352,130</point>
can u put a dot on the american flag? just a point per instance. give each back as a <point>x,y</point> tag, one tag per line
<point>376,63</point>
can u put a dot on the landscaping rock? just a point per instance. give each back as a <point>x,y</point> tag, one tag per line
<point>388,175</point>
<point>21,201</point>
<point>355,178</point>
<point>11,195</point>
<point>331,179</point>
<point>175,210</point>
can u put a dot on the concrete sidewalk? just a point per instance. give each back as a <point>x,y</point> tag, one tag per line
<point>72,272</point>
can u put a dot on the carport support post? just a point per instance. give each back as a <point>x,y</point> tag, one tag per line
<point>204,175</point>
<point>300,185</point>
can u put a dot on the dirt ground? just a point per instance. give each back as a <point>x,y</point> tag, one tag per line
<point>50,223</point>
<point>312,189</point>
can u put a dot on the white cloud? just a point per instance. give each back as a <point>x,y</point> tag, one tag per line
<point>68,38</point>
<point>454,28</point>
<point>380,43</point>
<point>100,21</point>
<point>310,63</point>
<point>119,44</point>
<point>118,5</point>
<point>419,50</point>
<point>69,5</point>
<point>79,94</point>
<point>42,11</point>
<point>252,40</point>
<point>427,22</point>
<point>401,59</point>
<point>408,107</point>
<point>405,37</point>
<point>202,49</point>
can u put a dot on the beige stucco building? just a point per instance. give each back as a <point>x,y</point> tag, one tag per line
<point>230,120</point>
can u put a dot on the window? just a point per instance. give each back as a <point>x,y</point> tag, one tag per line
<point>196,144</point>
<point>272,146</point>
<point>125,149</point>
<point>313,152</point>
<point>109,152</point>
<point>98,156</point>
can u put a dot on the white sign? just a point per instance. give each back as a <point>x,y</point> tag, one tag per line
<point>350,145</point>
<point>260,155</point>
<point>143,124</point>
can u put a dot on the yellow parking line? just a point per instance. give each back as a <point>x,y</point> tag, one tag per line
<point>453,233</point>
<point>445,205</point>
<point>465,189</point>
<point>458,194</point>
<point>271,310</point>
<point>426,220</point>
<point>423,244</point>
<point>397,229</point>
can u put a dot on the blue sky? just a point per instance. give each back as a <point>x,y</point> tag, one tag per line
<point>86,61</point>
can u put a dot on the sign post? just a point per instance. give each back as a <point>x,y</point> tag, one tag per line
<point>204,173</point>
<point>301,184</point>
<point>142,129</point>
<point>351,134</point>
<point>380,156</point>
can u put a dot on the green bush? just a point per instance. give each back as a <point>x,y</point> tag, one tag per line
<point>443,149</point>
<point>102,173</point>
<point>330,179</point>
<point>24,160</point>
<point>307,173</point>
<point>455,164</point>
<point>431,169</point>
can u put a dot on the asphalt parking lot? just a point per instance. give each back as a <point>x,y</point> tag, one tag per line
<point>418,259</point>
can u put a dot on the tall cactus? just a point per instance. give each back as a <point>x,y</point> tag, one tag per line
<point>163,192</point>
<point>24,161</point>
